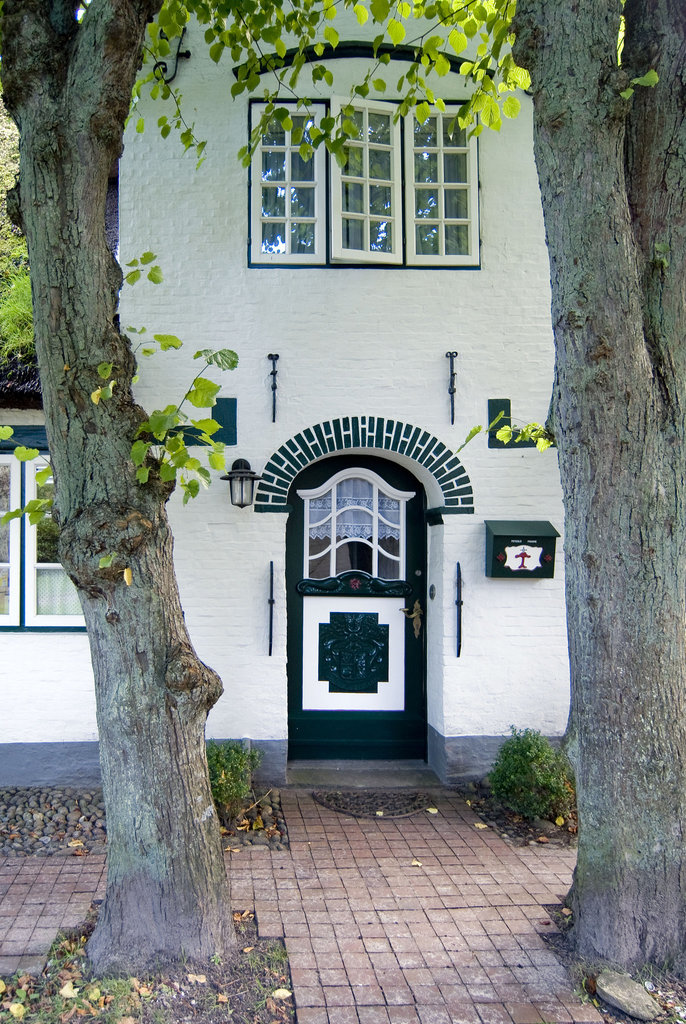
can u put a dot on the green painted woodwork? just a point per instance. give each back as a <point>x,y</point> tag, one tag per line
<point>508,533</point>
<point>504,406</point>
<point>354,583</point>
<point>357,734</point>
<point>333,437</point>
<point>353,652</point>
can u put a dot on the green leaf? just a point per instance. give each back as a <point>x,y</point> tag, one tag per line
<point>504,434</point>
<point>140,125</point>
<point>155,275</point>
<point>142,474</point>
<point>106,561</point>
<point>224,358</point>
<point>167,472</point>
<point>331,36</point>
<point>161,420</point>
<point>191,489</point>
<point>25,454</point>
<point>104,370</point>
<point>16,513</point>
<point>422,112</point>
<point>139,449</point>
<point>216,460</point>
<point>6,433</point>
<point>203,393</point>
<point>361,13</point>
<point>458,41</point>
<point>650,79</point>
<point>43,475</point>
<point>379,9</point>
<point>396,31</point>
<point>148,257</point>
<point>626,94</point>
<point>442,65</point>
<point>206,426</point>
<point>472,434</point>
<point>167,341</point>
<point>511,107</point>
<point>132,276</point>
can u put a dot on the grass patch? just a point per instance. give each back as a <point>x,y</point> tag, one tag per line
<point>251,987</point>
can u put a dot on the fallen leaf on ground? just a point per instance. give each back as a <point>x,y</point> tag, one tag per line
<point>248,949</point>
<point>282,993</point>
<point>432,810</point>
<point>17,1010</point>
<point>74,842</point>
<point>232,849</point>
<point>559,820</point>
<point>68,991</point>
<point>480,824</point>
<point>379,814</point>
<point>3,986</point>
<point>197,979</point>
<point>542,839</point>
<point>566,911</point>
<point>416,863</point>
<point>221,998</point>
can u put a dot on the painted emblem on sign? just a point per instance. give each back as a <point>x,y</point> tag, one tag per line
<point>523,557</point>
<point>353,652</point>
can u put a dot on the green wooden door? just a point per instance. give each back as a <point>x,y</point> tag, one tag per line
<point>356,572</point>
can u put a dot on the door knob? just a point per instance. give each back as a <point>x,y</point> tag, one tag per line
<point>416,616</point>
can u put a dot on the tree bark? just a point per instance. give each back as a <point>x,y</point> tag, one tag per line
<point>613,183</point>
<point>68,85</point>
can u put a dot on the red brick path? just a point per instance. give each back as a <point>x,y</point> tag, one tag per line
<point>371,938</point>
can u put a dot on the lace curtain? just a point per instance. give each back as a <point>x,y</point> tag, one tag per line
<point>354,508</point>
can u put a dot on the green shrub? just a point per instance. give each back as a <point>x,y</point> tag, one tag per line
<point>16,318</point>
<point>231,766</point>
<point>531,777</point>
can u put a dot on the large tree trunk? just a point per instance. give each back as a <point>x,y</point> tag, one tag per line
<point>68,86</point>
<point>613,182</point>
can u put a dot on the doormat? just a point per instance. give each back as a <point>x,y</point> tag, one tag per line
<point>365,803</point>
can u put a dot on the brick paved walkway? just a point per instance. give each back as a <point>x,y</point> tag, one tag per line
<point>371,938</point>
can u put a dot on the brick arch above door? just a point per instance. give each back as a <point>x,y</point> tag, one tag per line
<point>369,434</point>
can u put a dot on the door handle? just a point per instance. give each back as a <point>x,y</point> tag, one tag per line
<point>416,616</point>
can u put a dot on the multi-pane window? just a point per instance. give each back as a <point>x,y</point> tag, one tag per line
<point>287,198</point>
<point>355,521</point>
<point>366,219</point>
<point>34,588</point>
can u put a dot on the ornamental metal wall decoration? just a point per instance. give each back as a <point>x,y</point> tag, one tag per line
<point>354,583</point>
<point>353,652</point>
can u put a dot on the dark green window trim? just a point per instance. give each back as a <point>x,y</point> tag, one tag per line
<point>504,406</point>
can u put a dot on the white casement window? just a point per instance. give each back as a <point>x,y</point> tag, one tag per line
<point>366,206</point>
<point>34,588</point>
<point>441,197</point>
<point>355,521</point>
<point>288,202</point>
<point>10,542</point>
<point>407,193</point>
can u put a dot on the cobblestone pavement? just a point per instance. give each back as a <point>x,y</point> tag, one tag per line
<point>419,920</point>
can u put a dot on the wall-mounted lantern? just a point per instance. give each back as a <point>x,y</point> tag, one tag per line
<point>520,549</point>
<point>241,483</point>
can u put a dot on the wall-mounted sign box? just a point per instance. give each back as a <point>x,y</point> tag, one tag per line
<point>520,549</point>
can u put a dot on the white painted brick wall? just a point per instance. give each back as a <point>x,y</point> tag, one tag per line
<point>351,342</point>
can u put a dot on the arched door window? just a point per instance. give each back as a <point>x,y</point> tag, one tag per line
<point>355,521</point>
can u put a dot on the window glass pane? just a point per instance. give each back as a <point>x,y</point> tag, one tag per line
<point>274,134</point>
<point>454,166</point>
<point>354,555</point>
<point>456,203</point>
<point>4,542</point>
<point>456,239</point>
<point>380,199</point>
<point>353,197</point>
<point>357,118</point>
<point>353,233</point>
<point>458,136</point>
<point>319,558</point>
<point>4,488</point>
<point>380,129</point>
<point>273,238</point>
<point>425,167</point>
<point>390,510</point>
<point>273,166</point>
<point>380,236</point>
<point>426,202</point>
<point>353,162</point>
<point>301,170</point>
<point>47,535</point>
<point>389,568</point>
<point>426,239</point>
<point>273,202</point>
<point>425,134</point>
<point>302,202</point>
<point>55,593</point>
<point>380,164</point>
<point>4,591</point>
<point>302,237</point>
<point>354,491</point>
<point>320,509</point>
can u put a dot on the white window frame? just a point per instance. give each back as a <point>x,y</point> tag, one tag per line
<point>256,218</point>
<point>378,484</point>
<point>32,565</point>
<point>338,252</point>
<point>12,617</point>
<point>413,258</point>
